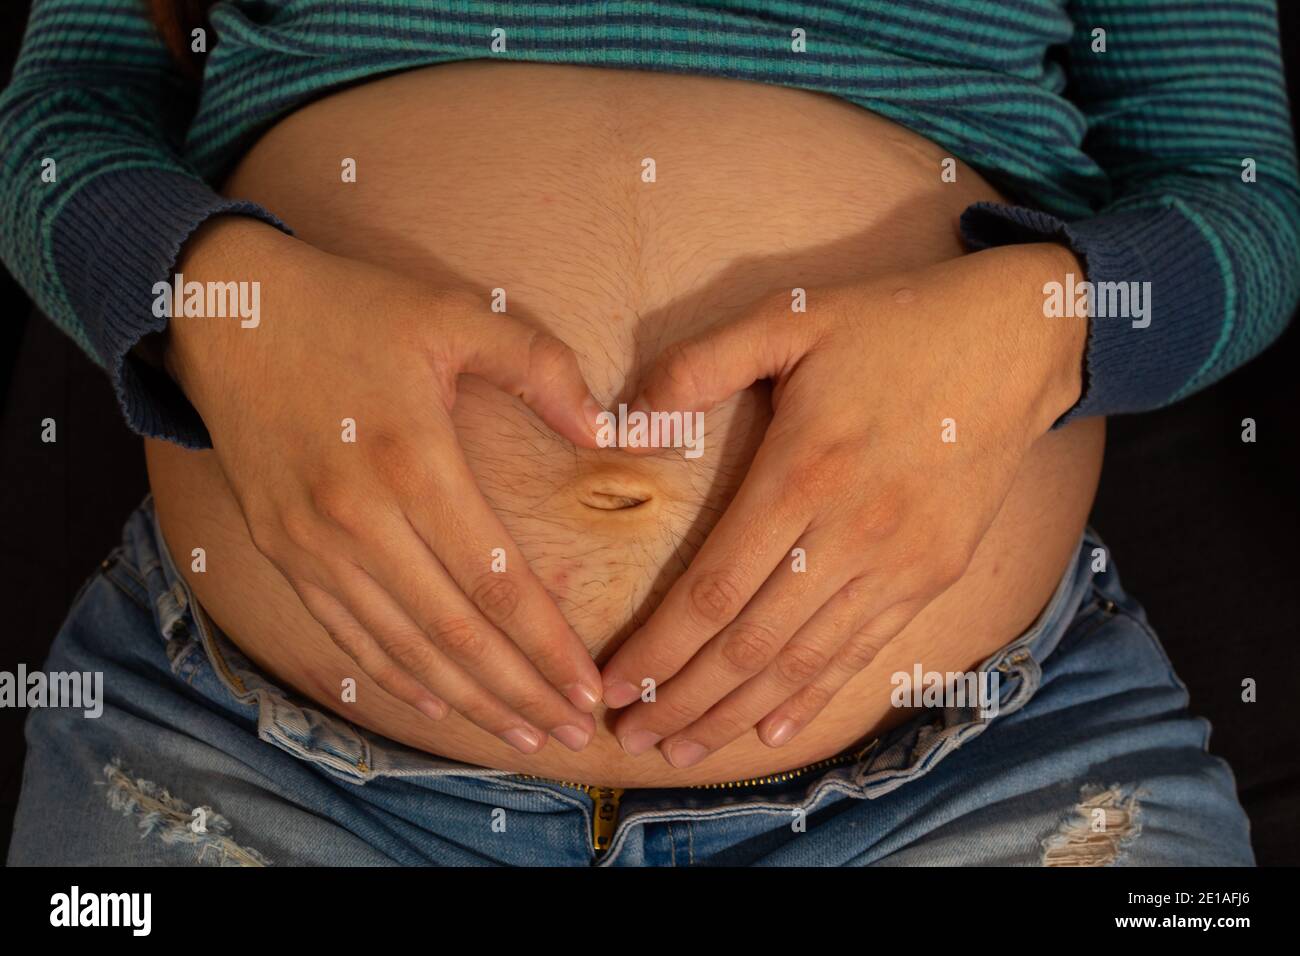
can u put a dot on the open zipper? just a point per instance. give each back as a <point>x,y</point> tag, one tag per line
<point>604,807</point>
<point>605,801</point>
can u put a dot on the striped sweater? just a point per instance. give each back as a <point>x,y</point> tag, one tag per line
<point>1151,136</point>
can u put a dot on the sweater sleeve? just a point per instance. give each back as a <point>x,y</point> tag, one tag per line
<point>95,200</point>
<point>1187,114</point>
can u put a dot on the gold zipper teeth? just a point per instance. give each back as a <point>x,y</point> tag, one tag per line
<point>783,777</point>
<point>559,783</point>
<point>728,785</point>
<point>602,830</point>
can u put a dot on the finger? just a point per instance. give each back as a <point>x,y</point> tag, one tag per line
<point>783,724</point>
<point>742,649</point>
<point>353,640</point>
<point>699,372</point>
<point>427,595</point>
<point>303,572</point>
<point>736,558</point>
<point>457,525</point>
<point>537,368</point>
<point>800,661</point>
<point>406,643</point>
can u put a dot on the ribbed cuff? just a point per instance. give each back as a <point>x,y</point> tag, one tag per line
<point>115,239</point>
<point>1128,368</point>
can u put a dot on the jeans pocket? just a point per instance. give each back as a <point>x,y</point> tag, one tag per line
<point>117,570</point>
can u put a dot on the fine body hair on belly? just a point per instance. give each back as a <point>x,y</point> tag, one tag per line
<point>606,533</point>
<point>525,178</point>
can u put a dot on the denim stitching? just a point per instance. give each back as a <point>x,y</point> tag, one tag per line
<point>141,597</point>
<point>642,817</point>
<point>117,557</point>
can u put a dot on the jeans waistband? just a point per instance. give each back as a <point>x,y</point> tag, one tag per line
<point>210,662</point>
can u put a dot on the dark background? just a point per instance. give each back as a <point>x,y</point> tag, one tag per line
<point>1203,527</point>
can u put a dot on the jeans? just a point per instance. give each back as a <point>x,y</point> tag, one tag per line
<point>1089,758</point>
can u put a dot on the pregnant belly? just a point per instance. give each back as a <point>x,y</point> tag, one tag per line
<point>621,211</point>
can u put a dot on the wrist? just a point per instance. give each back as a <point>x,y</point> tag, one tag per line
<point>224,249</point>
<point>1068,344</point>
<point>1054,346</point>
<point>228,242</point>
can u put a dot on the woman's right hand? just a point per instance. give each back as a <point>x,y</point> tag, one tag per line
<point>387,539</point>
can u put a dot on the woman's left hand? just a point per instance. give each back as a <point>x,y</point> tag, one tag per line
<point>902,408</point>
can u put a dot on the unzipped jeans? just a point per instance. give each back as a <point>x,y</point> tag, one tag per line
<point>198,759</point>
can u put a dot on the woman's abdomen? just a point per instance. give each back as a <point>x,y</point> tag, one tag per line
<point>621,211</point>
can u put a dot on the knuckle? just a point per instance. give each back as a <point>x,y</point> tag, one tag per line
<point>749,645</point>
<point>265,525</point>
<point>387,676</point>
<point>656,663</point>
<point>397,466</point>
<point>797,665</point>
<point>714,598</point>
<point>479,709</point>
<point>548,659</point>
<point>809,702</point>
<point>675,712</point>
<point>725,723</point>
<point>949,568</point>
<point>881,516</point>
<point>679,367</point>
<point>347,643</point>
<point>550,360</point>
<point>337,504</point>
<point>458,636</point>
<point>267,538</point>
<point>908,562</point>
<point>301,529</point>
<point>854,594</point>
<point>496,595</point>
<point>859,653</point>
<point>819,470</point>
<point>410,653</point>
<point>407,686</point>
<point>528,702</point>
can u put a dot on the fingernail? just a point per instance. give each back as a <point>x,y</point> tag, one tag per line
<point>432,708</point>
<point>782,732</point>
<point>582,697</point>
<point>637,742</point>
<point>575,738</point>
<point>620,693</point>
<point>525,741</point>
<point>685,753</point>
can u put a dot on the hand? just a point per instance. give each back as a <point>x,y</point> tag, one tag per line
<point>386,539</point>
<point>902,408</point>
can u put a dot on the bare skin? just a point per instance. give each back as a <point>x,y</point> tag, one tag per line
<point>384,547</point>
<point>832,545</point>
<point>474,177</point>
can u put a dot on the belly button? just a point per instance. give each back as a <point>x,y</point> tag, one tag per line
<point>623,491</point>
<point>607,501</point>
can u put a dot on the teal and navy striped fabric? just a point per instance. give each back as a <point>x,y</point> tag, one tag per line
<point>1132,155</point>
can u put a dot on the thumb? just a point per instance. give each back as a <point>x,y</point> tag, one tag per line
<point>537,368</point>
<point>698,373</point>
